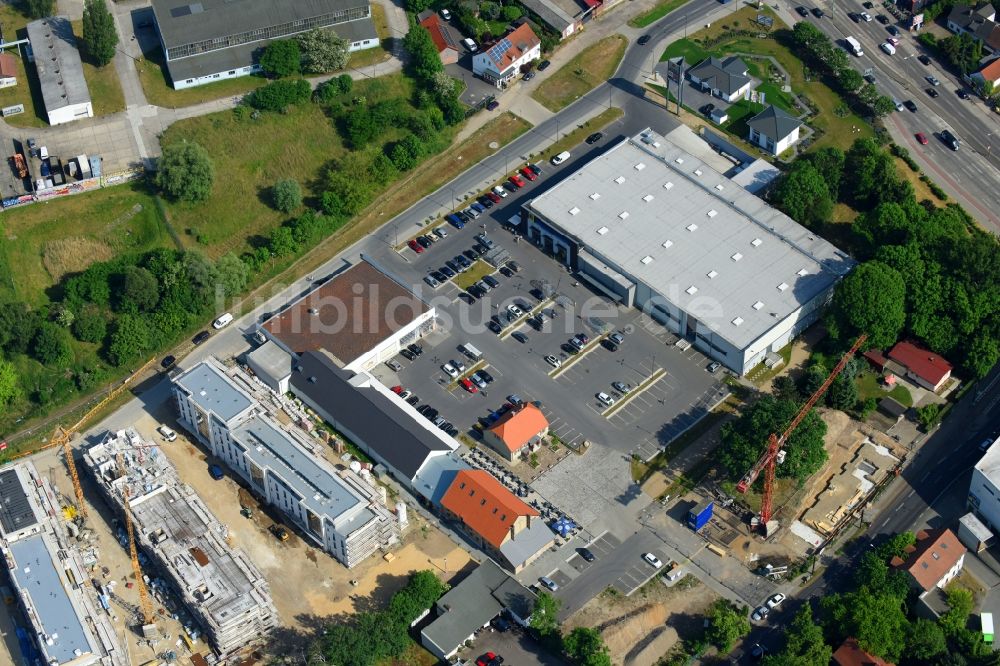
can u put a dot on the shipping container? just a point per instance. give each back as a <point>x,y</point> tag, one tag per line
<point>986,619</point>
<point>699,516</point>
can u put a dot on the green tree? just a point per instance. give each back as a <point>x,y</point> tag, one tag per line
<point>63,315</point>
<point>281,242</point>
<point>872,169</point>
<point>586,647</point>
<point>140,291</point>
<point>39,8</point>
<point>406,153</point>
<point>927,414</point>
<point>51,347</point>
<point>417,6</point>
<point>882,106</point>
<point>17,327</point>
<point>90,325</point>
<point>129,340</point>
<point>346,195</point>
<point>424,59</point>
<point>323,51</point>
<point>829,161</point>
<point>744,440</point>
<point>443,85</point>
<point>850,79</point>
<point>287,195</point>
<point>872,299</point>
<point>10,387</point>
<point>545,615</point>
<point>281,58</point>
<point>896,546</point>
<point>233,274</point>
<point>185,172</point>
<point>843,394</point>
<point>100,39</point>
<point>278,95</point>
<point>785,389</point>
<point>960,605</point>
<point>925,640</point>
<point>489,10</point>
<point>382,170</point>
<point>875,619</point>
<point>804,644</point>
<point>727,624</point>
<point>512,12</point>
<point>804,196</point>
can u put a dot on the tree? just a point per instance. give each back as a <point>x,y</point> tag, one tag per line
<point>287,195</point>
<point>406,153</point>
<point>424,59</point>
<point>489,10</point>
<point>90,325</point>
<point>784,388</point>
<point>960,604</point>
<point>882,106</point>
<point>727,624</point>
<point>586,647</point>
<point>872,299</point>
<point>875,619</point>
<point>545,615</point>
<point>185,172</point>
<point>129,340</point>
<point>100,39</point>
<point>829,161</point>
<point>873,170</point>
<point>804,644</point>
<point>925,640</point>
<point>281,58</point>
<point>850,79</point>
<point>511,13</point>
<point>139,291</point>
<point>282,242</point>
<point>744,440</point>
<point>323,51</point>
<point>843,394</point>
<point>346,195</point>
<point>50,345</point>
<point>233,274</point>
<point>17,327</point>
<point>63,315</point>
<point>278,95</point>
<point>804,196</point>
<point>37,9</point>
<point>10,388</point>
<point>896,546</point>
<point>443,85</point>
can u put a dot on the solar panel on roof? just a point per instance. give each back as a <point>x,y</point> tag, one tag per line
<point>15,509</point>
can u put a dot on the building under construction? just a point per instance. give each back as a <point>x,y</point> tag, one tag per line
<point>187,544</point>
<point>68,622</point>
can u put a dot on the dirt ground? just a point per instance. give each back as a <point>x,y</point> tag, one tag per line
<point>640,629</point>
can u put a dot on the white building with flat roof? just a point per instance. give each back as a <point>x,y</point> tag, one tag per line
<point>984,489</point>
<point>654,227</point>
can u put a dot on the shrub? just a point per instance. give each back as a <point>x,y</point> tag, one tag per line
<point>287,195</point>
<point>281,58</point>
<point>276,95</point>
<point>185,172</point>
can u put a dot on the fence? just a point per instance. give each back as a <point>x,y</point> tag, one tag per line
<point>78,187</point>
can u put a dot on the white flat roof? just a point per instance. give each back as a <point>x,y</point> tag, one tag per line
<point>671,221</point>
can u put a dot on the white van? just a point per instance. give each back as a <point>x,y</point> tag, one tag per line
<point>560,158</point>
<point>888,48</point>
<point>167,433</point>
<point>222,321</point>
<point>470,44</point>
<point>469,350</point>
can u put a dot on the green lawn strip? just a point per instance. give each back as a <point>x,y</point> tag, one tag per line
<point>102,82</point>
<point>763,374</point>
<point>588,69</point>
<point>627,398</point>
<point>869,387</point>
<point>656,13</point>
<point>27,92</point>
<point>476,273</point>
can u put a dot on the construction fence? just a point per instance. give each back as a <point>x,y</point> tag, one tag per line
<point>78,187</point>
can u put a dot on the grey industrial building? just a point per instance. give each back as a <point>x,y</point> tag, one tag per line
<point>338,510</point>
<point>210,40</point>
<point>48,572</point>
<point>219,584</point>
<point>60,70</point>
<point>654,227</point>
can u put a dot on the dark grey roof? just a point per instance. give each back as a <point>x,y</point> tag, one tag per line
<point>381,424</point>
<point>774,123</point>
<point>891,407</point>
<point>57,60</point>
<point>550,13</point>
<point>187,21</point>
<point>967,18</point>
<point>245,55</point>
<point>727,75</point>
<point>15,509</point>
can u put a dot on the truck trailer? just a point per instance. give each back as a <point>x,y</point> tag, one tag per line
<point>854,46</point>
<point>699,516</point>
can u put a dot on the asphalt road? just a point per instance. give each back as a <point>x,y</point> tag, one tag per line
<point>971,172</point>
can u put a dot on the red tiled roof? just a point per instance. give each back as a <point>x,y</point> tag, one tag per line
<point>876,357</point>
<point>925,364</point>
<point>991,72</point>
<point>517,427</point>
<point>439,33</point>
<point>8,65</point>
<point>484,505</point>
<point>518,42</point>
<point>851,654</point>
<point>592,3</point>
<point>936,552</point>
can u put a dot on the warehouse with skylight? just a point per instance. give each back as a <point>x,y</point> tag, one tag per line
<point>654,227</point>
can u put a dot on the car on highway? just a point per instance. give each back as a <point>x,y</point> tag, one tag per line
<point>594,138</point>
<point>881,18</point>
<point>200,338</point>
<point>529,174</point>
<point>962,93</point>
<point>543,65</point>
<point>775,600</point>
<point>950,140</point>
<point>553,361</point>
<point>854,16</point>
<point>909,104</point>
<point>932,93</point>
<point>866,17</point>
<point>549,583</point>
<point>450,370</point>
<point>802,11</point>
<point>924,60</point>
<point>760,613</point>
<point>467,384</point>
<point>817,12</point>
<point>932,80</point>
<point>168,361</point>
<point>605,399</point>
<point>586,554</point>
<point>652,559</point>
<point>642,41</point>
<point>921,138</point>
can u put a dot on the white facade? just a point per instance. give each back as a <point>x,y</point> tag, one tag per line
<point>521,43</point>
<point>391,346</point>
<point>769,144</point>
<point>984,489</point>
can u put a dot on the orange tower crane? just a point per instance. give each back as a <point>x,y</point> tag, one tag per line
<point>145,603</point>
<point>768,461</point>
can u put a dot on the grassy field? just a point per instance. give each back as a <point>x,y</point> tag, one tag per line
<point>27,92</point>
<point>105,88</point>
<point>840,127</point>
<point>868,387</point>
<point>590,68</point>
<point>479,270</point>
<point>656,13</point>
<point>44,241</point>
<point>920,188</point>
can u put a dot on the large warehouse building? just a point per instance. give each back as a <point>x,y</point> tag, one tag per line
<point>654,227</point>
<point>210,40</point>
<point>60,70</point>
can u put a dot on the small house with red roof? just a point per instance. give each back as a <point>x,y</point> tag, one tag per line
<point>444,37</point>
<point>850,654</point>
<point>492,517</point>
<point>8,70</point>
<point>921,366</point>
<point>500,63</point>
<point>516,431</point>
<point>989,74</point>
<point>933,561</point>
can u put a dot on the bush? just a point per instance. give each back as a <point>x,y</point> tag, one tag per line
<point>512,13</point>
<point>281,58</point>
<point>90,325</point>
<point>287,195</point>
<point>51,346</point>
<point>185,172</point>
<point>276,95</point>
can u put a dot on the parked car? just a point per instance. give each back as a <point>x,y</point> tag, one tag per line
<point>222,321</point>
<point>706,110</point>
<point>279,532</point>
<point>652,559</point>
<point>609,344</point>
<point>586,554</point>
<point>445,14</point>
<point>775,600</point>
<point>962,93</point>
<point>560,158</point>
<point>468,385</point>
<point>167,433</point>
<point>802,11</point>
<point>528,75</point>
<point>491,281</point>
<point>495,327</point>
<point>415,348</point>
<point>441,232</point>
<point>549,583</point>
<point>459,365</point>
<point>486,377</point>
<point>200,338</point>
<point>514,310</point>
<point>605,399</point>
<point>616,338</point>
<point>500,192</point>
<point>494,197</point>
<point>520,337</point>
<point>168,361</point>
<point>485,202</point>
<point>215,471</point>
<point>450,370</point>
<point>594,138</point>
<point>432,282</point>
<point>478,380</point>
<point>553,361</point>
<point>493,105</point>
<point>407,354</point>
<point>760,613</point>
<point>528,173</point>
<point>713,367</point>
<point>621,387</point>
<point>543,65</point>
<point>535,168</point>
<point>414,245</point>
<point>506,272</point>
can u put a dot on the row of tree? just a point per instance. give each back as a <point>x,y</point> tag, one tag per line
<point>314,52</point>
<point>927,272</point>
<point>583,645</point>
<point>823,55</point>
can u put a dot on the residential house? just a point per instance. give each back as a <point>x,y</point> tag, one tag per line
<point>483,595</point>
<point>774,130</point>
<point>979,22</point>
<point>504,527</point>
<point>515,431</point>
<point>501,63</point>
<point>933,561</point>
<point>921,366</point>
<point>8,70</point>
<point>445,39</point>
<point>850,654</point>
<point>562,16</point>
<point>987,79</point>
<point>725,78</point>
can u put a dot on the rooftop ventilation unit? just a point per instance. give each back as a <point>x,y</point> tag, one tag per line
<point>574,210</point>
<point>697,172</point>
<point>802,272</point>
<point>756,242</point>
<point>758,305</point>
<point>692,290</point>
<point>737,321</point>
<point>640,166</point>
<point>595,196</point>
<point>667,243</point>
<point>736,257</point>
<point>713,213</point>
<point>602,230</point>
<point>620,179</point>
<point>712,274</point>
<point>783,286</point>
<point>667,185</point>
<point>623,215</point>
<point>648,198</point>
<point>679,160</point>
<point>646,260</point>
<point>719,187</point>
<point>692,227</point>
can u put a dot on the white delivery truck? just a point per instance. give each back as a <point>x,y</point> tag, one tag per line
<point>471,351</point>
<point>854,46</point>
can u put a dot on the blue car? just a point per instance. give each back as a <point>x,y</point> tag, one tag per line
<point>455,220</point>
<point>215,472</point>
<point>479,208</point>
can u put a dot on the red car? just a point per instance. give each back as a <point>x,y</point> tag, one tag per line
<point>517,181</point>
<point>494,197</point>
<point>922,138</point>
<point>468,385</point>
<point>528,173</point>
<point>397,389</point>
<point>488,659</point>
<point>415,246</point>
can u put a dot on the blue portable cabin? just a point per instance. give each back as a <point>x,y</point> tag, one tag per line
<point>699,516</point>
